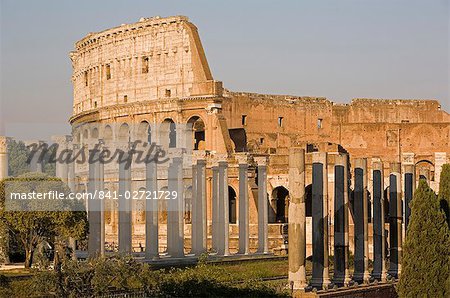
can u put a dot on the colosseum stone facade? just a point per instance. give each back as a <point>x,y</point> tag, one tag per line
<point>155,71</point>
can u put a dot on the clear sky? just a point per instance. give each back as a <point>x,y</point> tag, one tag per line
<point>340,49</point>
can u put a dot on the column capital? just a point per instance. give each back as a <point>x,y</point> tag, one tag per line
<point>3,144</point>
<point>408,158</point>
<point>319,157</point>
<point>341,159</point>
<point>377,164</point>
<point>242,158</point>
<point>261,160</point>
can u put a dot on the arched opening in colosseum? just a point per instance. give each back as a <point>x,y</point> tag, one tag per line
<point>279,205</point>
<point>232,205</point>
<point>198,132</point>
<point>124,133</point>
<point>168,134</point>
<point>425,170</point>
<point>107,134</point>
<point>94,134</point>
<point>144,132</point>
<point>188,205</point>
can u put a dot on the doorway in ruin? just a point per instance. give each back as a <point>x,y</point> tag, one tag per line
<point>232,205</point>
<point>198,133</point>
<point>278,211</point>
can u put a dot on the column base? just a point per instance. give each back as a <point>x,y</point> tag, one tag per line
<point>320,283</point>
<point>361,278</point>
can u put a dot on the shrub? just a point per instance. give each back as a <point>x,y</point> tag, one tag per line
<point>426,251</point>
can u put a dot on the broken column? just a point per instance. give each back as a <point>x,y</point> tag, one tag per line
<point>175,210</point>
<point>410,186</point>
<point>361,272</point>
<point>199,223</point>
<point>223,221</point>
<point>151,211</point>
<point>320,271</point>
<point>124,236</point>
<point>243,220</point>
<point>379,264</point>
<point>297,221</point>
<point>263,217</point>
<point>341,204</point>
<point>3,157</point>
<point>395,220</point>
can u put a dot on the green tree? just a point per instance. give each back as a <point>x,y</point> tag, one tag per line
<point>444,191</point>
<point>18,156</point>
<point>31,221</point>
<point>426,251</point>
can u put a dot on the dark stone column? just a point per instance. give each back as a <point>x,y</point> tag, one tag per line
<point>297,221</point>
<point>94,211</point>
<point>341,246</point>
<point>361,272</point>
<point>379,264</point>
<point>175,210</point>
<point>395,220</point>
<point>151,212</point>
<point>410,186</point>
<point>124,207</point>
<point>263,216</point>
<point>320,272</point>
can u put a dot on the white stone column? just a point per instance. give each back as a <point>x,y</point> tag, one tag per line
<point>199,224</point>
<point>263,222</point>
<point>223,221</point>
<point>243,221</point>
<point>215,206</point>
<point>125,230</point>
<point>3,157</point>
<point>96,230</point>
<point>297,221</point>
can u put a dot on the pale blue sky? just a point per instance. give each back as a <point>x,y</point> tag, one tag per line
<point>340,49</point>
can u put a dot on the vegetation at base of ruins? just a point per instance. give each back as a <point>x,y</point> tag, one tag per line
<point>123,274</point>
<point>444,191</point>
<point>17,160</point>
<point>30,228</point>
<point>426,251</point>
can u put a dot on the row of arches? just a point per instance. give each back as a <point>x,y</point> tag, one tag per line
<point>144,131</point>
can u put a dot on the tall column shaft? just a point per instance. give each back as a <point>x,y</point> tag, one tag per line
<point>125,237</point>
<point>341,204</point>
<point>379,237</point>
<point>175,214</point>
<point>223,235</point>
<point>395,220</point>
<point>320,272</point>
<point>215,207</point>
<point>410,186</point>
<point>297,220</point>
<point>194,211</point>
<point>361,273</point>
<point>243,209</point>
<point>263,216</point>
<point>151,213</point>
<point>94,212</point>
<point>199,209</point>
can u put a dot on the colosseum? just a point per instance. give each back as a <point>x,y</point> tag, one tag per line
<point>155,71</point>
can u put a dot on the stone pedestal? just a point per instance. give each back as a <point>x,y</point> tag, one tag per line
<point>410,186</point>
<point>124,208</point>
<point>379,237</point>
<point>361,272</point>
<point>243,207</point>
<point>297,220</point>
<point>263,216</point>
<point>320,271</point>
<point>223,221</point>
<point>395,220</point>
<point>341,204</point>
<point>151,212</point>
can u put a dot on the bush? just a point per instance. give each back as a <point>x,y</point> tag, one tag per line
<point>426,251</point>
